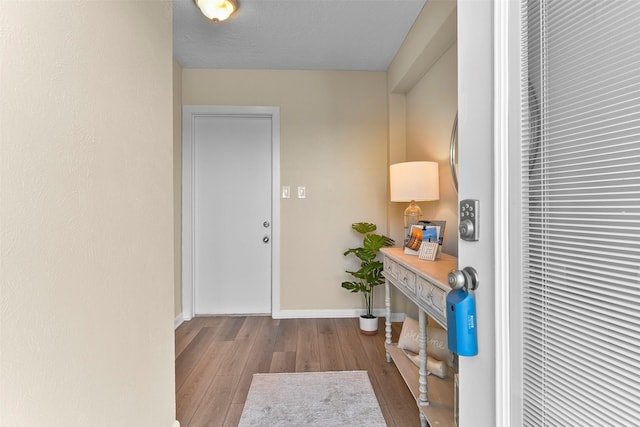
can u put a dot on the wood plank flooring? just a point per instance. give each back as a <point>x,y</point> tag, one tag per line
<point>217,356</point>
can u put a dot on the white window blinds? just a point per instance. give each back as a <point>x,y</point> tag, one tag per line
<point>581,225</point>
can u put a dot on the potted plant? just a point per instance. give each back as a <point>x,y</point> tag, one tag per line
<point>370,273</point>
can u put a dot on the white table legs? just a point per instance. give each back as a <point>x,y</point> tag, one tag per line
<point>387,320</point>
<point>422,346</point>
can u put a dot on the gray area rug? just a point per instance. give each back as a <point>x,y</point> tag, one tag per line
<point>338,398</point>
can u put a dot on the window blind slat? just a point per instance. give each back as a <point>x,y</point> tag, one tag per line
<point>588,98</point>
<point>590,254</point>
<point>581,185</point>
<point>588,266</point>
<point>605,358</point>
<point>579,370</point>
<point>610,135</point>
<point>612,244</point>
<point>565,86</point>
<point>594,229</point>
<point>597,307</point>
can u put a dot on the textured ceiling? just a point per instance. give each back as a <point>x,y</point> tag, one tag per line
<point>295,34</point>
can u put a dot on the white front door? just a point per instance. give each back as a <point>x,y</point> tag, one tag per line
<point>229,237</point>
<point>515,378</point>
<point>481,377</point>
<point>574,287</point>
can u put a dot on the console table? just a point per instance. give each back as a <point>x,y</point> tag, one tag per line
<point>425,284</point>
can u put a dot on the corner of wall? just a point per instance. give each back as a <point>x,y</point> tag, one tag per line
<point>397,152</point>
<point>432,34</point>
<point>177,187</point>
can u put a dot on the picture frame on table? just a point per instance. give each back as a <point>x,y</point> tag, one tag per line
<point>441,225</point>
<point>422,235</point>
<point>415,240</point>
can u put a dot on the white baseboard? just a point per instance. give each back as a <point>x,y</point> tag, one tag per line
<point>327,314</point>
<point>179,320</point>
<point>398,317</point>
<point>314,314</point>
<point>176,423</point>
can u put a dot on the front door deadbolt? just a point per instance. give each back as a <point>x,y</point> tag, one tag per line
<point>469,219</point>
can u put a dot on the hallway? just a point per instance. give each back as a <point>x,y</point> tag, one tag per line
<point>216,357</point>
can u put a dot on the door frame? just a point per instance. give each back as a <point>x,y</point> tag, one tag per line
<point>502,188</point>
<point>507,71</point>
<point>189,114</point>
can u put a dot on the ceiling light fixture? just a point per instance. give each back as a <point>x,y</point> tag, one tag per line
<point>217,10</point>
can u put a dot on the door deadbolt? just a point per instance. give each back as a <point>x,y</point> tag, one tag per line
<point>467,229</point>
<point>466,279</point>
<point>469,219</point>
<point>266,224</point>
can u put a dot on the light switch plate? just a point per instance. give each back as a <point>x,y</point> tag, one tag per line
<point>286,192</point>
<point>302,193</point>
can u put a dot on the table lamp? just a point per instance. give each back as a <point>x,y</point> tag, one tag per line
<point>413,182</point>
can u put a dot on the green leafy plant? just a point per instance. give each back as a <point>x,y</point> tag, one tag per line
<point>370,273</point>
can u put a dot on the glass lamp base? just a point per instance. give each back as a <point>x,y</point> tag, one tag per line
<point>412,215</point>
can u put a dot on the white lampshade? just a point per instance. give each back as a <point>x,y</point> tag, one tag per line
<point>414,181</point>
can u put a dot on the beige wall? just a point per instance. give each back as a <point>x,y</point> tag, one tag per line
<point>422,102</point>
<point>86,218</point>
<point>328,120</point>
<point>334,142</point>
<point>397,154</point>
<point>431,109</point>
<point>177,188</point>
<point>422,81</point>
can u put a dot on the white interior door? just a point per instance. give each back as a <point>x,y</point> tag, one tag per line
<point>228,247</point>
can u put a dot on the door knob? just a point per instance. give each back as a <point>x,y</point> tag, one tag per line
<point>265,239</point>
<point>466,278</point>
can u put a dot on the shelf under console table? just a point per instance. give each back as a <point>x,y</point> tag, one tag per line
<point>425,284</point>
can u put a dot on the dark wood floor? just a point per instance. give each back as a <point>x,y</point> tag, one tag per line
<point>217,356</point>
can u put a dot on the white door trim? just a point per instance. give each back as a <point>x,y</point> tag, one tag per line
<point>507,179</point>
<point>501,208</point>
<point>189,113</point>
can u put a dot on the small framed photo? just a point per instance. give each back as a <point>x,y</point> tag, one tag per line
<point>415,240</point>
